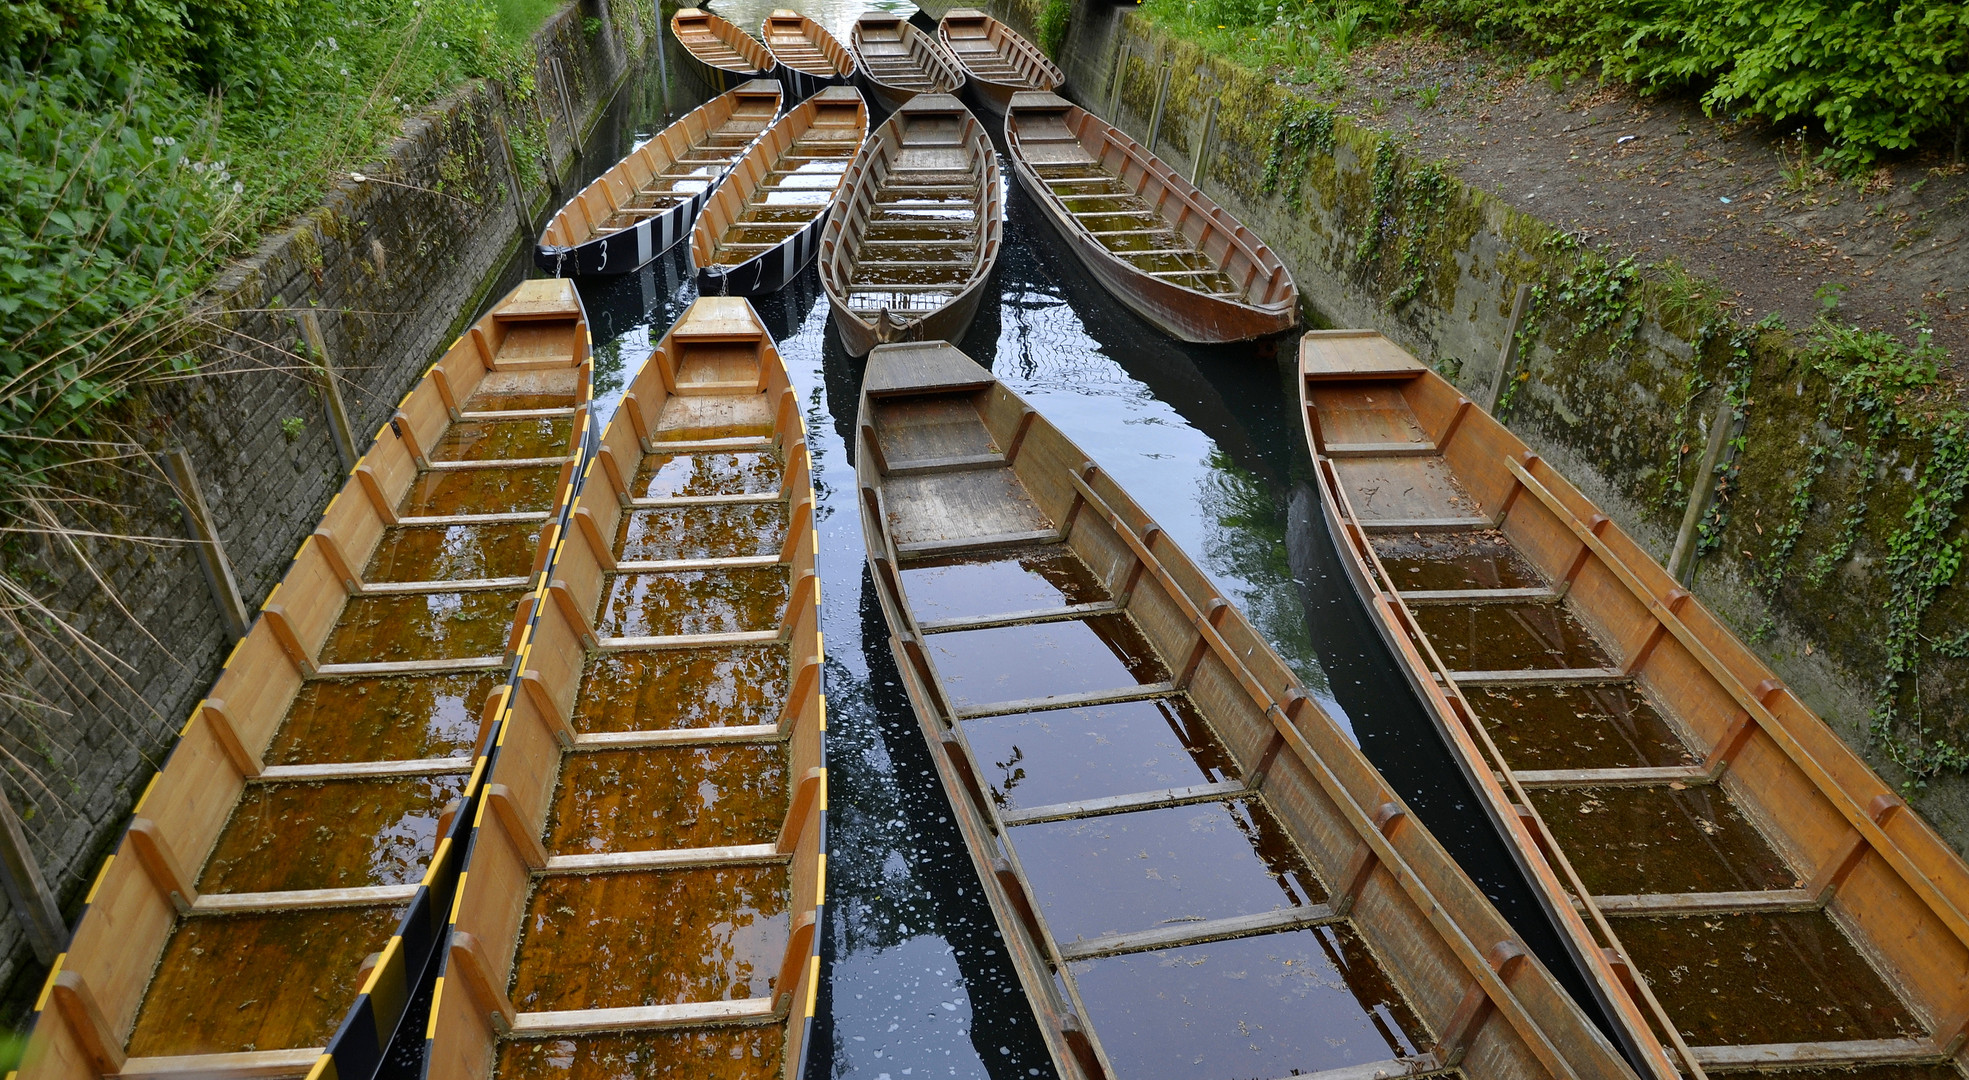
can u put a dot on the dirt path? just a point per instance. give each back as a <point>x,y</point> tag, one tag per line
<point>1657,179</point>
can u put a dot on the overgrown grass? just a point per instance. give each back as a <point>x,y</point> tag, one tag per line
<point>141,146</point>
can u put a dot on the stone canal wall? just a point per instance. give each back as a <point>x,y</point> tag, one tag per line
<point>1834,541</point>
<point>395,267</point>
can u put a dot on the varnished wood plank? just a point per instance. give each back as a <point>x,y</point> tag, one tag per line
<point>675,858</point>
<point>513,518</point>
<point>671,566</point>
<point>256,1064</point>
<point>1423,597</point>
<point>1431,524</point>
<point>1634,777</point>
<point>1698,903</point>
<point>955,463</point>
<point>298,899</point>
<point>1121,804</point>
<point>1019,618</point>
<point>644,1017</point>
<point>1539,677</point>
<point>1066,701</point>
<point>690,641</point>
<point>929,549</point>
<point>356,770</point>
<point>1194,933</point>
<point>670,501</point>
<point>384,588</point>
<point>411,667</point>
<point>494,463</point>
<point>1853,1052</point>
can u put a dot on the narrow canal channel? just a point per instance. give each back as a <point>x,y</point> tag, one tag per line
<point>1206,439</point>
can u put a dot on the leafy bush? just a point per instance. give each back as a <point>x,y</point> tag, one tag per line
<point>1876,75</point>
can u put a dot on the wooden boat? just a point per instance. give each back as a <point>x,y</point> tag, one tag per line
<point>1194,869</point>
<point>764,222</point>
<point>284,882</point>
<point>809,57</point>
<point>896,61</point>
<point>1744,892</point>
<point>1149,236</point>
<point>726,56</point>
<point>647,201</point>
<point>999,62</point>
<point>906,253</point>
<point>645,880</point>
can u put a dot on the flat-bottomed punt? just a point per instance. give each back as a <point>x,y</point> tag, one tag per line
<point>895,61</point>
<point>809,57</point>
<point>1194,870</point>
<point>999,62</point>
<point>1149,236</point>
<point>283,886</point>
<point>646,874</point>
<point>765,221</point>
<point>1743,892</point>
<point>908,249</point>
<point>726,55</point>
<point>648,200</point>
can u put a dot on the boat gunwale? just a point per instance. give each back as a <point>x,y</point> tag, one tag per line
<point>734,195</point>
<point>1681,622</point>
<point>656,154</point>
<point>914,41</point>
<point>508,855</point>
<point>740,42</point>
<point>89,1006</point>
<point>1174,304</point>
<point>1285,717</point>
<point>849,219</point>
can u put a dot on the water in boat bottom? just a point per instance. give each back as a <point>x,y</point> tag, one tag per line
<point>1207,440</point>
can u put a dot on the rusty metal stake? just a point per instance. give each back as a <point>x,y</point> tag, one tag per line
<point>34,903</point>
<point>211,553</point>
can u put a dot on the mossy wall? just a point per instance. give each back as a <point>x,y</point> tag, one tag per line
<point>1832,547</point>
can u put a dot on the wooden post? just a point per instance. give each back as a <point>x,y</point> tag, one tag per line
<point>1203,144</point>
<point>34,904</point>
<point>331,391</point>
<point>567,107</point>
<point>211,553</point>
<point>1155,116</point>
<point>1682,560</point>
<point>1122,56</point>
<point>662,65</point>
<point>1507,358</point>
<point>514,190</point>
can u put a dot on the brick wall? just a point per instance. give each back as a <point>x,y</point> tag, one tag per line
<point>396,270</point>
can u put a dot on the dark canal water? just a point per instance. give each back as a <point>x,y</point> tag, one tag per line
<point>1207,440</point>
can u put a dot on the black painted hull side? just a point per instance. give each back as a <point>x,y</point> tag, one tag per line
<point>768,271</point>
<point>627,251</point>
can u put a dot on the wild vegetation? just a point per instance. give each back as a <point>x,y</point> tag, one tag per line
<point>142,145</point>
<point>1872,76</point>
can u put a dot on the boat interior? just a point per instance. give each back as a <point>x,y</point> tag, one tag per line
<point>680,162</point>
<point>803,45</point>
<point>988,51</point>
<point>1136,207</point>
<point>921,234</point>
<point>646,871</point>
<point>720,43</point>
<point>261,887</point>
<point>1194,868</point>
<point>786,181</point>
<point>897,54</point>
<point>1765,901</point>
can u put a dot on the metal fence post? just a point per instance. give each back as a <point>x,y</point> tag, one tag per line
<point>211,553</point>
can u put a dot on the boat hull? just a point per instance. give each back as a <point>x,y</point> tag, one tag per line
<point>627,251</point>
<point>1186,314</point>
<point>768,271</point>
<point>1530,606</point>
<point>927,507</point>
